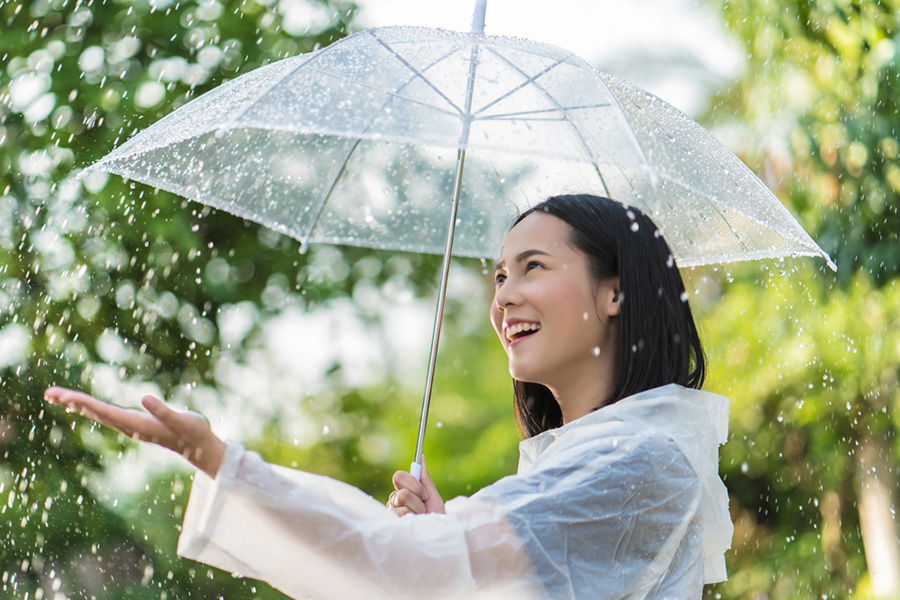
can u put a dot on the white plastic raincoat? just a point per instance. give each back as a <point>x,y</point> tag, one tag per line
<point>625,502</point>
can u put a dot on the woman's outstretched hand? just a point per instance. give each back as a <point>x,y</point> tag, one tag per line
<point>185,432</point>
<point>414,497</point>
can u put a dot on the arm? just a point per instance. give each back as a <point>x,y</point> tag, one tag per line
<point>312,536</point>
<point>600,521</point>
<point>303,533</point>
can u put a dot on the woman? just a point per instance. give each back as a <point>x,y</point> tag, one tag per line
<point>617,493</point>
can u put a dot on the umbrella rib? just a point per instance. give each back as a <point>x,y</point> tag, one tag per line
<point>518,87</point>
<point>787,233</point>
<point>416,72</point>
<point>377,89</point>
<point>276,83</point>
<point>630,130</point>
<point>715,203</point>
<point>561,109</point>
<point>304,240</point>
<point>226,123</point>
<point>556,103</point>
<point>501,116</point>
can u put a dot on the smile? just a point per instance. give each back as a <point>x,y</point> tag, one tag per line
<point>521,330</point>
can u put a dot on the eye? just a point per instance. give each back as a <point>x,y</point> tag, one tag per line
<point>532,263</point>
<point>499,278</point>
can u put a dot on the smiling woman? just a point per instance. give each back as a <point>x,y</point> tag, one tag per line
<point>617,494</point>
<point>590,253</point>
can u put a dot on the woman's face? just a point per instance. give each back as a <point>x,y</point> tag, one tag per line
<point>544,288</point>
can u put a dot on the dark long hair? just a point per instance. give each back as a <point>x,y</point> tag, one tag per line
<point>658,341</point>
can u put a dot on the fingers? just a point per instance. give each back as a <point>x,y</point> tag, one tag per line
<point>97,410</point>
<point>133,423</point>
<point>159,409</point>
<point>427,482</point>
<point>433,503</point>
<point>405,499</point>
<point>404,480</point>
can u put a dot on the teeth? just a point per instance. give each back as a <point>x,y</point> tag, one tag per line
<point>520,327</point>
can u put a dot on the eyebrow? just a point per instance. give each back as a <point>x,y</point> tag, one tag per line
<point>522,256</point>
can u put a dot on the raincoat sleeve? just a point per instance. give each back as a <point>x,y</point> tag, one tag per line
<point>599,520</point>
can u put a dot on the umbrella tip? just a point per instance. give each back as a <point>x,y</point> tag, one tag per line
<point>304,245</point>
<point>830,262</point>
<point>478,17</point>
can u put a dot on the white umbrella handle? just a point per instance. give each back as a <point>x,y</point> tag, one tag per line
<point>416,471</point>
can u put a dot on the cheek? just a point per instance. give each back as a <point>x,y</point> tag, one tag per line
<point>569,304</point>
<point>496,318</point>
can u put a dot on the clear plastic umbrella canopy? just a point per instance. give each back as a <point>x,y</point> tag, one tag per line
<point>357,144</point>
<point>428,140</point>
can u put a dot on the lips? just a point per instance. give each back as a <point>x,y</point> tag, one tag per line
<point>518,329</point>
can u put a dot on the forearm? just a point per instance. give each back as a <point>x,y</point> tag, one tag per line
<point>305,534</point>
<point>209,455</point>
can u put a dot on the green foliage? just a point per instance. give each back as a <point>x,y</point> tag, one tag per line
<point>810,357</point>
<point>826,75</point>
<point>809,375</point>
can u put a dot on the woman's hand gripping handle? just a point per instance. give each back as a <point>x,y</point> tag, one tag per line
<point>414,497</point>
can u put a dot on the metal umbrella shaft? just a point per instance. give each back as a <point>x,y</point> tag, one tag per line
<point>416,468</point>
<point>477,27</point>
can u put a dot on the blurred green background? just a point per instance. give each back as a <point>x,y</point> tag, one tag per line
<point>120,290</point>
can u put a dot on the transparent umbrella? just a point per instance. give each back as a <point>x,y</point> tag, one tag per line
<point>428,140</point>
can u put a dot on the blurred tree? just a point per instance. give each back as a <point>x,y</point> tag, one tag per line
<point>810,357</point>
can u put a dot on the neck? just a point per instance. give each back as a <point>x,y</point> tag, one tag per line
<point>584,387</point>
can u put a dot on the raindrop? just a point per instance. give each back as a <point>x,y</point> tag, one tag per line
<point>596,349</point>
<point>684,296</point>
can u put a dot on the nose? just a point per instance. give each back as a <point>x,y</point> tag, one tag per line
<point>507,295</point>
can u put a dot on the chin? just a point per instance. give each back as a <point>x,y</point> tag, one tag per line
<point>522,373</point>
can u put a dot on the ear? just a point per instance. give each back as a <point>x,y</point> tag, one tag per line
<point>609,297</point>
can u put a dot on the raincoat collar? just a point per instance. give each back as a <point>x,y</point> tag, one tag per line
<point>716,406</point>
<point>697,421</point>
